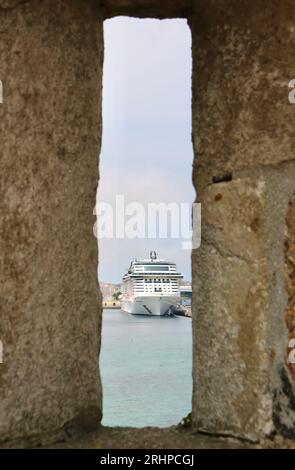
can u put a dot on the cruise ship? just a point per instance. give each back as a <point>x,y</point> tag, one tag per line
<point>150,287</point>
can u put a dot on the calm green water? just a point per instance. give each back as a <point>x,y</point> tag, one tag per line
<point>145,364</point>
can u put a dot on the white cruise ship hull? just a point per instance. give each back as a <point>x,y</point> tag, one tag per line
<point>150,305</point>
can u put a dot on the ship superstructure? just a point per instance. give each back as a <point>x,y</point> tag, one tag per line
<point>151,287</point>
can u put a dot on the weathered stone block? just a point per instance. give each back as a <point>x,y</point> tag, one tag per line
<point>242,297</point>
<point>50,124</point>
<point>147,8</point>
<point>242,64</point>
<point>232,392</point>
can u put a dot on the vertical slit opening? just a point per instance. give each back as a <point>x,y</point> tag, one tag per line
<point>144,205</point>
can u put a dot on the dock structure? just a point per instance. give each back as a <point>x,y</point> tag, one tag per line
<point>188,312</point>
<point>111,304</point>
<point>184,312</point>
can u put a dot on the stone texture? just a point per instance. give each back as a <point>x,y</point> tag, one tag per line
<point>50,124</point>
<point>242,64</point>
<point>231,360</point>
<point>242,132</point>
<point>147,8</point>
<point>284,391</point>
<point>241,384</point>
<point>290,273</point>
<point>143,438</point>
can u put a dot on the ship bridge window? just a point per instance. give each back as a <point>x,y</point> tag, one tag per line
<point>156,268</point>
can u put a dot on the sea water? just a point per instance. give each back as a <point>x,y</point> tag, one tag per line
<point>145,366</point>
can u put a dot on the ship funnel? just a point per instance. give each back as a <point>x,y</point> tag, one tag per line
<point>153,255</point>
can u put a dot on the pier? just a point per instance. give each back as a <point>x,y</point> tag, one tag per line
<point>111,304</point>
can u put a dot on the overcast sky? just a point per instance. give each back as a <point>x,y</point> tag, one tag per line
<point>146,151</point>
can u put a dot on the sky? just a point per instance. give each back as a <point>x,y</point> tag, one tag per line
<point>146,151</point>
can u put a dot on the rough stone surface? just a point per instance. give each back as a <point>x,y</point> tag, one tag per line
<point>147,8</point>
<point>243,296</point>
<point>143,438</point>
<point>290,273</point>
<point>152,438</point>
<point>279,180</point>
<point>242,64</point>
<point>231,360</point>
<point>50,125</point>
<point>242,131</point>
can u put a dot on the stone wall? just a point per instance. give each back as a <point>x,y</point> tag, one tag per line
<point>244,171</point>
<point>290,274</point>
<point>50,124</point>
<point>147,8</point>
